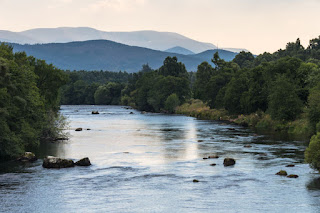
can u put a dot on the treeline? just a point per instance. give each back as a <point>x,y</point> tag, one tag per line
<point>29,101</point>
<point>94,87</point>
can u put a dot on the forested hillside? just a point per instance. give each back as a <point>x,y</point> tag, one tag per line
<point>111,56</point>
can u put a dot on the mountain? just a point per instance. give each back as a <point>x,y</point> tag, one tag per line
<point>109,55</point>
<point>236,50</point>
<point>179,50</point>
<point>148,39</point>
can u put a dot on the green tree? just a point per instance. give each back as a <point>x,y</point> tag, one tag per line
<point>314,107</point>
<point>172,67</point>
<point>312,153</point>
<point>203,75</point>
<point>244,59</point>
<point>171,103</point>
<point>284,103</point>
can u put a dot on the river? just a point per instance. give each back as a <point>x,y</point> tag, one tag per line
<point>147,163</point>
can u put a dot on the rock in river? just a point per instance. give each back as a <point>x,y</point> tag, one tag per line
<point>292,176</point>
<point>27,157</point>
<point>83,162</point>
<point>229,162</point>
<point>78,129</point>
<point>95,112</point>
<point>282,173</point>
<point>55,162</point>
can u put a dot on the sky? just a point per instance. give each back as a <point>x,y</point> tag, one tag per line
<point>256,25</point>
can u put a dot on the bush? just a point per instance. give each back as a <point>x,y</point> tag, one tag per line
<point>312,153</point>
<point>171,103</point>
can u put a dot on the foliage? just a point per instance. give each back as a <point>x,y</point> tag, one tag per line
<point>312,153</point>
<point>29,92</point>
<point>284,103</point>
<point>171,103</point>
<point>314,107</point>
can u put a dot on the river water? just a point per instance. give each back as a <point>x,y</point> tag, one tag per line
<point>147,163</point>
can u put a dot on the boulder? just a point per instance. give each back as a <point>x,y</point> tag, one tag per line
<point>78,129</point>
<point>292,176</point>
<point>282,173</point>
<point>229,162</point>
<point>131,113</point>
<point>27,157</point>
<point>83,162</point>
<point>213,156</point>
<point>200,141</point>
<point>213,164</point>
<point>95,112</point>
<point>195,181</point>
<point>55,162</point>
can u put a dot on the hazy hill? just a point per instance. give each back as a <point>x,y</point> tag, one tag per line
<point>108,55</point>
<point>149,39</point>
<point>179,50</point>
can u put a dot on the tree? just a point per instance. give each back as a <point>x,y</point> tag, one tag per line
<point>203,75</point>
<point>244,59</point>
<point>172,67</point>
<point>171,103</point>
<point>312,153</point>
<point>284,103</point>
<point>314,107</point>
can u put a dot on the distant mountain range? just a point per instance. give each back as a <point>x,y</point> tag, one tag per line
<point>179,50</point>
<point>111,56</point>
<point>149,39</point>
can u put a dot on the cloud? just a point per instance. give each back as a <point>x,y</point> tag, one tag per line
<point>116,5</point>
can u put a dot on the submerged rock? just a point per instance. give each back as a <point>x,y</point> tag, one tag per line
<point>292,176</point>
<point>27,157</point>
<point>213,156</point>
<point>282,173</point>
<point>290,165</point>
<point>247,146</point>
<point>213,164</point>
<point>83,162</point>
<point>78,129</point>
<point>231,129</point>
<point>200,141</point>
<point>55,162</point>
<point>131,113</point>
<point>95,112</point>
<point>229,162</point>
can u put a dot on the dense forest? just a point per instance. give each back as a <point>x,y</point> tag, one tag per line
<point>29,101</point>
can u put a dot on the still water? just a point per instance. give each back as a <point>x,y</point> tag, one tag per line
<point>147,163</point>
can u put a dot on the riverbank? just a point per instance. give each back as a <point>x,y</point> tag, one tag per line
<point>260,121</point>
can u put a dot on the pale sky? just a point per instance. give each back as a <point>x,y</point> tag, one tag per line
<point>257,25</point>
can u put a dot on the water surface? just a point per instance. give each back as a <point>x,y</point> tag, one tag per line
<point>147,163</point>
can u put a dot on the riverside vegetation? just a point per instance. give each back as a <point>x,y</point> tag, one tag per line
<point>29,102</point>
<point>278,92</point>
